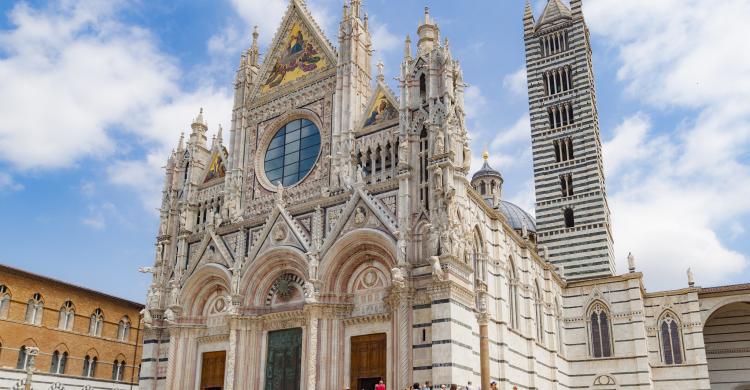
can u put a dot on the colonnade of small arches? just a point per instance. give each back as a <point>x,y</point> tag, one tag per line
<point>66,315</point>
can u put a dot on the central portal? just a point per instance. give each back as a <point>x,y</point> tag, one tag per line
<point>368,364</point>
<point>283,363</point>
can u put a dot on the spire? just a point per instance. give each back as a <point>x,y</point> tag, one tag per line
<point>554,10</point>
<point>254,51</point>
<point>485,155</point>
<point>575,7</point>
<point>381,77</point>
<point>198,135</point>
<point>407,47</point>
<point>528,18</point>
<point>218,135</point>
<point>429,34</point>
<point>356,6</point>
<point>181,142</point>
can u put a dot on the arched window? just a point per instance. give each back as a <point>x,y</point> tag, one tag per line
<point>97,320</point>
<point>118,369</point>
<point>23,358</point>
<point>539,312</point>
<point>67,315</point>
<point>601,340</point>
<point>512,294</point>
<point>123,329</point>
<point>59,362</point>
<point>4,301</point>
<point>671,339</point>
<point>569,218</point>
<point>482,188</point>
<point>423,88</point>
<point>34,310</point>
<point>424,177</point>
<point>89,366</point>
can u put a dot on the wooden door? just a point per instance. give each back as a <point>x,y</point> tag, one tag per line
<point>212,370</point>
<point>284,359</point>
<point>368,363</point>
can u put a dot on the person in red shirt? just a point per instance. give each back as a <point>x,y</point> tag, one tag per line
<point>380,385</point>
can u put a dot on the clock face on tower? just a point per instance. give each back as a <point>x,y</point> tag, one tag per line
<point>292,152</point>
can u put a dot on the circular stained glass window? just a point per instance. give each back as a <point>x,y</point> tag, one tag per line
<point>292,152</point>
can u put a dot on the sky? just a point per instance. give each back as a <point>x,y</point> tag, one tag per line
<point>94,95</point>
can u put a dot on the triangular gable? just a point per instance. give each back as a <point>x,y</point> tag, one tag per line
<point>361,198</point>
<point>281,229</point>
<point>381,109</point>
<point>299,48</point>
<point>222,255</point>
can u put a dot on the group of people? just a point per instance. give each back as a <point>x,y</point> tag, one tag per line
<point>428,386</point>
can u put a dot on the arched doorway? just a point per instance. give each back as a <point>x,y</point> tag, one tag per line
<point>726,335</point>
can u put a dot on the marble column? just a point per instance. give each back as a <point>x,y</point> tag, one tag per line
<point>484,349</point>
<point>312,347</point>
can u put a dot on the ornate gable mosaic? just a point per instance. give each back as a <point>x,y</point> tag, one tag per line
<point>298,56</point>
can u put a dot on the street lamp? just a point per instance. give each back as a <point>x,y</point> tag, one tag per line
<point>31,352</point>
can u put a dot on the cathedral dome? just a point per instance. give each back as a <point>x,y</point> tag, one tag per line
<point>486,170</point>
<point>517,217</point>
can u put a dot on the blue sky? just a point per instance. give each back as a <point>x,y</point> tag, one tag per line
<point>95,93</point>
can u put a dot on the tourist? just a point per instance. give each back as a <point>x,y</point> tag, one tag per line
<point>454,386</point>
<point>427,386</point>
<point>493,386</point>
<point>380,385</point>
<point>416,386</point>
<point>469,386</point>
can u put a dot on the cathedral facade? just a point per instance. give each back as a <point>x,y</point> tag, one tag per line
<point>338,239</point>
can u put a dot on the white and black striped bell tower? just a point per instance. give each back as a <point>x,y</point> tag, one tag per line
<point>572,213</point>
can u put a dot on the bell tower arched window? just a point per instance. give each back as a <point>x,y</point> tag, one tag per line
<point>569,218</point>
<point>424,177</point>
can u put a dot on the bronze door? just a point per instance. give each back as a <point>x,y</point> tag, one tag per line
<point>368,364</point>
<point>212,370</point>
<point>284,359</point>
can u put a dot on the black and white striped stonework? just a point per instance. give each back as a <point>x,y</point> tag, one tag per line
<point>572,220</point>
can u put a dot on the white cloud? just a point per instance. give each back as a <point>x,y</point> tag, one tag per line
<point>474,102</point>
<point>383,40</point>
<point>99,215</point>
<point>74,76</point>
<point>7,183</point>
<point>674,192</point>
<point>519,131</point>
<point>516,82</point>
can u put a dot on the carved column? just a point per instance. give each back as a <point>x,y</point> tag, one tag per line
<point>312,347</point>
<point>400,302</point>
<point>231,356</point>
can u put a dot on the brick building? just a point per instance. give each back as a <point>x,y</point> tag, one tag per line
<point>84,337</point>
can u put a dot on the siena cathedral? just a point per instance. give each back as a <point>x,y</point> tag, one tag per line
<point>340,239</point>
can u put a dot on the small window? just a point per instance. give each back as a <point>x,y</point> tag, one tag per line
<point>23,358</point>
<point>118,368</point>
<point>67,315</point>
<point>123,329</point>
<point>4,301</point>
<point>96,323</point>
<point>539,304</point>
<point>569,218</point>
<point>59,361</point>
<point>34,310</point>
<point>89,366</point>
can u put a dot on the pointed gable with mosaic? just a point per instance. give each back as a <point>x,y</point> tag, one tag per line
<point>381,109</point>
<point>299,49</point>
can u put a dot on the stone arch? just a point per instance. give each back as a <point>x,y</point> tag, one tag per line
<point>352,250</point>
<point>724,333</point>
<point>259,277</point>
<point>709,312</point>
<point>598,317</point>
<point>92,353</point>
<point>604,382</point>
<point>203,285</point>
